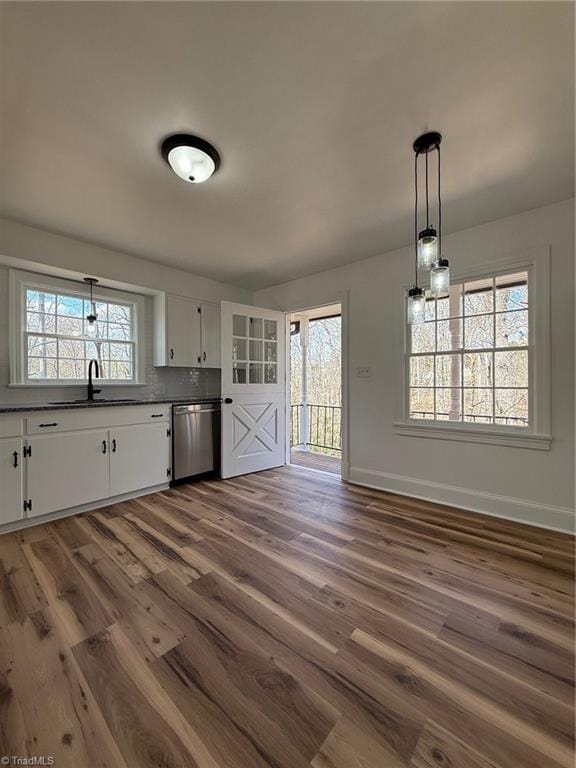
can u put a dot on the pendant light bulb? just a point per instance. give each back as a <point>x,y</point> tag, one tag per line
<point>416,305</point>
<point>440,278</point>
<point>427,248</point>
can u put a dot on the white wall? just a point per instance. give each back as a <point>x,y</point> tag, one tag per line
<point>42,251</point>
<point>531,485</point>
<point>43,248</point>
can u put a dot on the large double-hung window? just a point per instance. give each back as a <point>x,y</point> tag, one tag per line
<point>478,367</point>
<point>53,341</point>
<point>469,361</point>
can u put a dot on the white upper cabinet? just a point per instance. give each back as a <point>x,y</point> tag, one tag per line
<point>211,342</point>
<point>186,332</point>
<point>177,331</point>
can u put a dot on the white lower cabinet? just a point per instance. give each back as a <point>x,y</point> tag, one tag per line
<point>64,460</point>
<point>67,470</point>
<point>11,480</point>
<point>139,457</point>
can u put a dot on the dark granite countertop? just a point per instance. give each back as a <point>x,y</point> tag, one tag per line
<point>68,405</point>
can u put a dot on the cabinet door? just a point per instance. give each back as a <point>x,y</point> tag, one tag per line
<point>139,457</point>
<point>210,336</point>
<point>184,332</point>
<point>11,477</point>
<point>66,470</point>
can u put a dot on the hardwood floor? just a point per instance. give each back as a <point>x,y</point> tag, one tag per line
<point>319,461</point>
<point>285,619</point>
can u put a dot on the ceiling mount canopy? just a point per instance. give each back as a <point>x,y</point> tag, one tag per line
<point>190,157</point>
<point>427,142</point>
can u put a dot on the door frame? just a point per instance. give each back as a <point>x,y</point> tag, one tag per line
<point>342,298</point>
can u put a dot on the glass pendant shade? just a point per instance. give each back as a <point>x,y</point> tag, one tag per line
<point>427,248</point>
<point>416,305</point>
<point>191,158</point>
<point>440,277</point>
<point>191,164</point>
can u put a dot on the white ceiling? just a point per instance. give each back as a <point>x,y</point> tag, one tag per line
<point>313,107</point>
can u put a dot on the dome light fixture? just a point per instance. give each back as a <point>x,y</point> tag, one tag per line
<point>190,157</point>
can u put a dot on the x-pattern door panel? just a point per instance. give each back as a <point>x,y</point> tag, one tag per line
<point>254,433</point>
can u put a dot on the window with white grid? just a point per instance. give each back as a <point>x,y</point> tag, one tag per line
<point>53,342</point>
<point>470,360</point>
<point>59,341</point>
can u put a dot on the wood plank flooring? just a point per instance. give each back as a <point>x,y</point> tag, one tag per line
<point>288,620</point>
<point>320,461</point>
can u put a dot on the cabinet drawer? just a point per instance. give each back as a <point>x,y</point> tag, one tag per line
<point>95,418</point>
<point>10,425</point>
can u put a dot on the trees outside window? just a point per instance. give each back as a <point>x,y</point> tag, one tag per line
<point>470,360</point>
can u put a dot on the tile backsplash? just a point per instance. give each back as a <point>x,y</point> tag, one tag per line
<point>180,382</point>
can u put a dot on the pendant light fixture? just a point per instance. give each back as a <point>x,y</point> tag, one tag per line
<point>190,157</point>
<point>92,316</point>
<point>440,273</point>
<point>429,240</point>
<point>416,303</point>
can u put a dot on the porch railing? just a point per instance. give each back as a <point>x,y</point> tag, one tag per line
<point>324,426</point>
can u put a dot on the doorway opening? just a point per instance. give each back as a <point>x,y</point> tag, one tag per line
<point>315,388</point>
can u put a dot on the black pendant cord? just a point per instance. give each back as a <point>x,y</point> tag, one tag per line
<point>427,203</point>
<point>439,207</point>
<point>416,220</point>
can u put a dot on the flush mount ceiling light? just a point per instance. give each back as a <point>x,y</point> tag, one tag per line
<point>427,242</point>
<point>190,157</point>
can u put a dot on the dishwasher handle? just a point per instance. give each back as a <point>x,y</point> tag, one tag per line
<point>181,410</point>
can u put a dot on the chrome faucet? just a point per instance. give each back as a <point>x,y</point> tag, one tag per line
<point>91,390</point>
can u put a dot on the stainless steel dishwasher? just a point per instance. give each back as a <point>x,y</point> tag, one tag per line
<point>196,439</point>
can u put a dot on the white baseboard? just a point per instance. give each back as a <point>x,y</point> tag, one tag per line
<point>28,522</point>
<point>506,507</point>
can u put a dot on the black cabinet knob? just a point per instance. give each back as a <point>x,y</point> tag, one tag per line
<point>228,400</point>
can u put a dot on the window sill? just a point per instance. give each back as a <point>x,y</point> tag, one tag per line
<point>468,435</point>
<point>98,383</point>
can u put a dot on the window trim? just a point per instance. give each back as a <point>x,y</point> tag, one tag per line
<point>20,280</point>
<point>536,261</point>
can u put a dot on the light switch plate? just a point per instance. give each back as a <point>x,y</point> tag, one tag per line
<point>363,372</point>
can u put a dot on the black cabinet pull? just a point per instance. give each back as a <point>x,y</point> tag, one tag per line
<point>15,455</point>
<point>156,415</point>
<point>104,446</point>
<point>113,445</point>
<point>49,424</point>
<point>171,354</point>
<point>204,356</point>
<point>228,400</point>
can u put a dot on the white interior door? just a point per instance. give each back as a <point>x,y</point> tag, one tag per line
<point>253,389</point>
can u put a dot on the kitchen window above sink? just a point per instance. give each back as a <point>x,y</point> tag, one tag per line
<point>53,341</point>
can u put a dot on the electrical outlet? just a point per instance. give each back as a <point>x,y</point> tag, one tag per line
<point>363,372</point>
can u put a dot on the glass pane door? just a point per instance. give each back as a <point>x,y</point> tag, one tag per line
<point>254,350</point>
